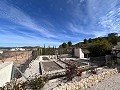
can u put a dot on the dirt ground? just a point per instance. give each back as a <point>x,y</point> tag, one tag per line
<point>17,57</point>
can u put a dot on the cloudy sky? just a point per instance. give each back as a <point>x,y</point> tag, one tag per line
<point>52,22</point>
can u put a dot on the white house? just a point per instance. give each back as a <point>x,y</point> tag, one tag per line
<point>17,49</point>
<point>81,53</point>
<point>13,49</point>
<point>1,51</point>
<point>78,53</point>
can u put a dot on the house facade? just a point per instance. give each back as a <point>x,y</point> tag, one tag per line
<point>81,53</point>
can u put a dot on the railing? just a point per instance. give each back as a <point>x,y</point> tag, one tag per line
<point>22,68</point>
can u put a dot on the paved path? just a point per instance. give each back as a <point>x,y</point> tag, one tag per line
<point>32,70</point>
<point>112,83</point>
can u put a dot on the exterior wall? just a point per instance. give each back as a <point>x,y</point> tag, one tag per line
<point>99,61</point>
<point>5,74</point>
<point>78,53</point>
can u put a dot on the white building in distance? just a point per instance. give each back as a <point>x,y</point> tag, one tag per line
<point>1,51</point>
<point>17,49</point>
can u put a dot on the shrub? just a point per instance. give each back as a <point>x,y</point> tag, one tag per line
<point>38,82</point>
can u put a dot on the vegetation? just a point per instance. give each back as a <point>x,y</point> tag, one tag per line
<point>85,41</point>
<point>71,70</point>
<point>38,82</point>
<point>113,38</point>
<point>99,48</point>
<point>34,84</point>
<point>69,44</point>
<point>43,51</point>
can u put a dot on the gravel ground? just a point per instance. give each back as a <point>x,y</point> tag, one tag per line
<point>112,83</point>
<point>50,66</point>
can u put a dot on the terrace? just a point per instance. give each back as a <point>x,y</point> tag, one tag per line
<point>55,70</point>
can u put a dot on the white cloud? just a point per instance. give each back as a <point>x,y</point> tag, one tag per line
<point>78,29</point>
<point>12,39</point>
<point>72,28</point>
<point>15,15</point>
<point>96,17</point>
<point>111,21</point>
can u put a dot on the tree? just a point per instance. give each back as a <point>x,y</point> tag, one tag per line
<point>34,54</point>
<point>69,44</point>
<point>43,50</point>
<point>89,40</point>
<point>113,38</point>
<point>99,48</point>
<point>64,45</point>
<point>85,41</point>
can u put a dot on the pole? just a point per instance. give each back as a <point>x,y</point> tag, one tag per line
<point>20,72</point>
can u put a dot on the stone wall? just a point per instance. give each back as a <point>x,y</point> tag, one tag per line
<point>87,82</point>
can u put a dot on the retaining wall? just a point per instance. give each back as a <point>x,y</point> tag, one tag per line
<point>87,82</point>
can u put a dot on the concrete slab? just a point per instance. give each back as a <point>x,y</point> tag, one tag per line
<point>5,72</point>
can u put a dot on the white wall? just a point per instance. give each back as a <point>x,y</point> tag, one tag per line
<point>78,53</point>
<point>5,73</point>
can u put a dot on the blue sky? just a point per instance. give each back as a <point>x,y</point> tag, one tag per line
<point>52,22</point>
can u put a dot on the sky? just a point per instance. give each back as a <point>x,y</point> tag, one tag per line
<point>52,22</point>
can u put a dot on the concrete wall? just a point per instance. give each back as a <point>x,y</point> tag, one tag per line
<point>5,73</point>
<point>78,53</point>
<point>99,61</point>
<point>118,59</point>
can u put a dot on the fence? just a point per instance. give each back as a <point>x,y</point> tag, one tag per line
<point>22,68</point>
<point>101,61</point>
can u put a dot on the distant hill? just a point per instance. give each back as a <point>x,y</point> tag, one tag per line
<point>112,38</point>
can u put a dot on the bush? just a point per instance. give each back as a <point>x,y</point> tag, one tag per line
<point>38,82</point>
<point>99,48</point>
<point>71,70</point>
